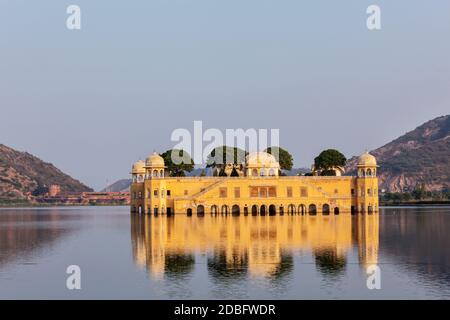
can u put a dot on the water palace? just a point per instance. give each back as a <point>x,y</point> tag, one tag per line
<point>259,190</point>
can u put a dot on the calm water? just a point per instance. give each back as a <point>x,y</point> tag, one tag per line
<point>288,257</point>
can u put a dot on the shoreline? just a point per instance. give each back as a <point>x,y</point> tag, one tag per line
<point>55,205</point>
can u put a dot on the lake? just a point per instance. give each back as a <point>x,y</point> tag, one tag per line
<point>123,256</point>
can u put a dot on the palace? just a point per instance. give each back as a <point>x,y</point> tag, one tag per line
<point>259,190</point>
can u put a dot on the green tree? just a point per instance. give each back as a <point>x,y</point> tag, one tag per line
<point>283,157</point>
<point>40,190</point>
<point>178,170</point>
<point>225,155</point>
<point>329,159</point>
<point>419,192</point>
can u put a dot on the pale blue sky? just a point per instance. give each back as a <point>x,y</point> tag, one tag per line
<point>95,100</point>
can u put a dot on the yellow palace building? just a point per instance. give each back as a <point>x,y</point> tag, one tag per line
<point>258,191</point>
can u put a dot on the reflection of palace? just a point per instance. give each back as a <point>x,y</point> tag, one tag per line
<point>257,190</point>
<point>258,246</point>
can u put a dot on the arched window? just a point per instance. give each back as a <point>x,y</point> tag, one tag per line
<point>302,209</point>
<point>235,210</point>
<point>254,210</point>
<point>155,173</point>
<point>214,210</point>
<point>272,172</point>
<point>312,209</point>
<point>189,212</point>
<point>254,172</point>
<point>225,209</point>
<point>161,173</point>
<point>272,210</point>
<point>263,210</point>
<point>200,210</point>
<point>291,209</point>
<point>336,211</point>
<point>369,172</point>
<point>370,209</point>
<point>326,209</point>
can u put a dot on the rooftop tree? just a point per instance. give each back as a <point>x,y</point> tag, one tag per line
<point>175,169</point>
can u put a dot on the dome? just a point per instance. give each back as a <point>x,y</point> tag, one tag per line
<point>155,160</point>
<point>262,159</point>
<point>367,160</point>
<point>138,167</point>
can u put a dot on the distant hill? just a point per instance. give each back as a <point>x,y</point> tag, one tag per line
<point>22,173</point>
<point>421,156</point>
<point>118,186</point>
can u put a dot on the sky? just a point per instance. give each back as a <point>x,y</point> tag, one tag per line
<point>95,100</point>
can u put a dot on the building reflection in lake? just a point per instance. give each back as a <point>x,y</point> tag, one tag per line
<point>262,246</point>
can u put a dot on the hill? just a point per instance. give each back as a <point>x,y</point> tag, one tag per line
<point>118,186</point>
<point>421,156</point>
<point>22,173</point>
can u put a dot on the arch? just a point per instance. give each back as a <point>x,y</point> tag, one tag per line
<point>369,173</point>
<point>255,172</point>
<point>302,209</point>
<point>254,210</point>
<point>281,211</point>
<point>326,209</point>
<point>336,211</point>
<point>291,209</point>
<point>263,210</point>
<point>161,173</point>
<point>370,209</point>
<point>312,210</point>
<point>225,210</point>
<point>236,210</point>
<point>272,210</point>
<point>155,173</point>
<point>246,211</point>
<point>272,172</point>
<point>189,212</point>
<point>262,172</point>
<point>214,210</point>
<point>200,210</point>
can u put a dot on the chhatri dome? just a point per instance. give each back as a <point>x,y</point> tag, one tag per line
<point>261,159</point>
<point>155,160</point>
<point>367,160</point>
<point>261,164</point>
<point>138,167</point>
